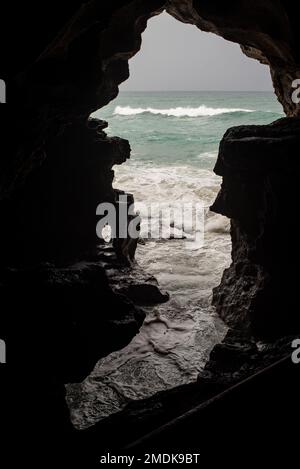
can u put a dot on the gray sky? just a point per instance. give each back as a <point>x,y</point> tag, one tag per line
<point>177,56</point>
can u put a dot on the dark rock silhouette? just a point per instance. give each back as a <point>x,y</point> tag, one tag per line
<point>259,168</point>
<point>57,319</point>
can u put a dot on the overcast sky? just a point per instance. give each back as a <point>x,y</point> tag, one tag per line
<point>177,56</point>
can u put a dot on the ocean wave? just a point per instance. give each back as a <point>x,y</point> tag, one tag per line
<point>176,183</point>
<point>201,111</point>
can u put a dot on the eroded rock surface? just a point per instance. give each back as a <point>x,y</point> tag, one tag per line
<point>259,165</point>
<point>232,361</point>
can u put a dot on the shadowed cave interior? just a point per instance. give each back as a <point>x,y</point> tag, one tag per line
<point>49,253</point>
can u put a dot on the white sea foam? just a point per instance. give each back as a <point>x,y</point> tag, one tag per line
<point>158,358</point>
<point>160,183</point>
<point>218,224</point>
<point>201,111</point>
<point>175,340</point>
<point>208,154</point>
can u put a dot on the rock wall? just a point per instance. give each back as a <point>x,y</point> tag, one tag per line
<point>259,166</point>
<point>53,218</point>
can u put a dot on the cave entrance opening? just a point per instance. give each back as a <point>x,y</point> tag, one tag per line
<point>174,136</point>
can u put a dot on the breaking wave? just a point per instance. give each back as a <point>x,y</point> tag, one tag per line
<point>201,111</point>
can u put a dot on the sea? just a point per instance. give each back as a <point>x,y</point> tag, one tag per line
<point>174,138</point>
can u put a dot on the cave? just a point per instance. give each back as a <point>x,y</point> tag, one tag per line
<point>173,153</point>
<point>59,168</point>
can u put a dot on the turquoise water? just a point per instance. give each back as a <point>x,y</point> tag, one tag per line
<point>174,139</point>
<point>171,128</point>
